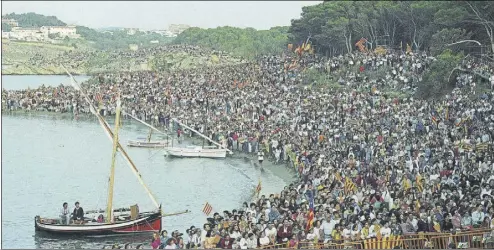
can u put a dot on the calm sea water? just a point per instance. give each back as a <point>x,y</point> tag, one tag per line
<point>16,82</point>
<point>47,160</point>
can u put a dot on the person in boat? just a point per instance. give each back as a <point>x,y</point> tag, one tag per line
<point>65,214</point>
<point>78,214</point>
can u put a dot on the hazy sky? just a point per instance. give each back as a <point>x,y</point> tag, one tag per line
<point>158,15</point>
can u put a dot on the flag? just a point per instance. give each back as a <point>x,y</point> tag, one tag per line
<point>207,209</point>
<point>419,179</point>
<point>310,215</point>
<point>307,47</point>
<point>434,117</point>
<point>337,176</point>
<point>437,227</point>
<point>417,206</point>
<point>258,188</point>
<point>377,230</point>
<point>482,147</point>
<point>406,184</point>
<point>349,185</point>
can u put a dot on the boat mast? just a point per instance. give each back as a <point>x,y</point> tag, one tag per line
<point>203,136</point>
<point>149,136</point>
<point>110,135</point>
<point>109,206</point>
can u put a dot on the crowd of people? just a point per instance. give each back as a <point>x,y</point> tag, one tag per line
<point>370,165</point>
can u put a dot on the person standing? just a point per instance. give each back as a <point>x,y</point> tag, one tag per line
<point>260,157</point>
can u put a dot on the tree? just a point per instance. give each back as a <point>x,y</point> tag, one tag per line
<point>32,19</point>
<point>53,36</point>
<point>335,26</point>
<point>438,80</point>
<point>247,42</point>
<point>6,27</point>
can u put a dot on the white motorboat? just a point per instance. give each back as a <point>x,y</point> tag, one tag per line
<point>197,151</point>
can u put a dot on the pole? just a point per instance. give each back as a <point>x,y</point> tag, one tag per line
<point>203,136</point>
<point>109,207</point>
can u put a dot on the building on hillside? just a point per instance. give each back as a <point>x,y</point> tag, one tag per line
<point>176,29</point>
<point>5,35</point>
<point>11,22</point>
<point>61,31</point>
<point>132,31</point>
<point>160,32</point>
<point>26,34</point>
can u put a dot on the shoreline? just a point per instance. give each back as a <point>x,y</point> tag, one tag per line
<point>283,170</point>
<point>41,74</point>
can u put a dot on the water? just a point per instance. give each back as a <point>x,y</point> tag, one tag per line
<point>47,160</point>
<point>16,82</point>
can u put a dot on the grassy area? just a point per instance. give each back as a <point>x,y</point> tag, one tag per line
<point>34,58</point>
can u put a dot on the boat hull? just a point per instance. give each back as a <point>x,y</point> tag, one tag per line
<point>145,224</point>
<point>144,144</point>
<point>196,152</point>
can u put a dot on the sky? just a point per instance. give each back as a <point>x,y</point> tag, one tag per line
<point>150,15</point>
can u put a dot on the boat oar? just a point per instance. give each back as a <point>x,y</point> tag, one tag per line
<point>179,213</point>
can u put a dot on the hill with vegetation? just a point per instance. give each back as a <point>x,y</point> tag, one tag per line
<point>248,43</point>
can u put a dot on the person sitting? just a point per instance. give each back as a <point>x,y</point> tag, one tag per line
<point>100,219</point>
<point>78,214</point>
<point>65,214</point>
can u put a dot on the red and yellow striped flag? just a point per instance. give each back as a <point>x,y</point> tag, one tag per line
<point>258,188</point>
<point>207,209</point>
<point>349,185</point>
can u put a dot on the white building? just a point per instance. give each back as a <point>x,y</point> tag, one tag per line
<point>132,32</point>
<point>61,31</point>
<point>26,34</point>
<point>11,22</point>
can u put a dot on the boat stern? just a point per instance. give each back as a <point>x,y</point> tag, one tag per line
<point>36,221</point>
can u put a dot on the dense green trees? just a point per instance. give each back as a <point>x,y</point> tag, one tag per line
<point>32,19</point>
<point>248,42</point>
<point>6,27</point>
<point>335,26</point>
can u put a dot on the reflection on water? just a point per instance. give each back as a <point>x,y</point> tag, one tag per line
<point>47,161</point>
<point>43,240</point>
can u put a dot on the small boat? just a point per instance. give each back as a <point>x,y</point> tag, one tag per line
<point>197,151</point>
<point>218,151</point>
<point>116,221</point>
<point>147,143</point>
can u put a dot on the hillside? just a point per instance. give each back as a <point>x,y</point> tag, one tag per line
<point>29,58</point>
<point>32,19</point>
<point>248,43</point>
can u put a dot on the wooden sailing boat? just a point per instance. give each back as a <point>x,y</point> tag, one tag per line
<point>147,143</point>
<point>198,151</point>
<point>133,222</point>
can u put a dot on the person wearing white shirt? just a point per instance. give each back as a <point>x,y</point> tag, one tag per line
<point>385,230</point>
<point>328,226</point>
<point>251,241</point>
<point>264,240</point>
<point>65,214</point>
<point>271,232</point>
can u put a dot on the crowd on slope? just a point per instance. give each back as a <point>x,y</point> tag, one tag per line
<point>370,165</point>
